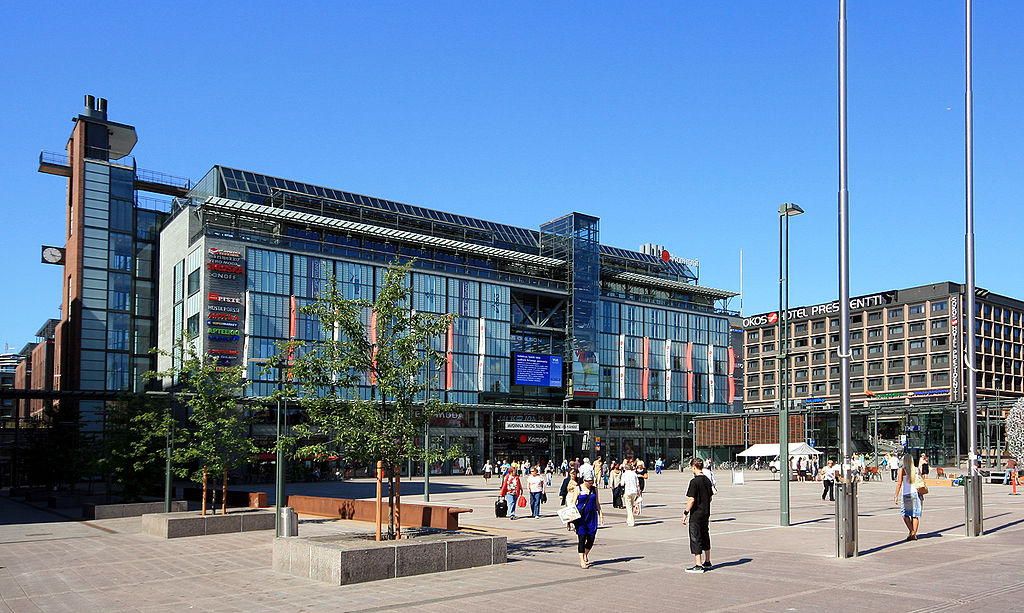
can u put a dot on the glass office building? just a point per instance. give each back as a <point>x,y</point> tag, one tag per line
<point>557,340</point>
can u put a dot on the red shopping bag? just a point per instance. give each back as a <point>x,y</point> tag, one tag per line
<point>522,500</point>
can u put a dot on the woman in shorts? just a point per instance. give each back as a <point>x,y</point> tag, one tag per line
<point>907,497</point>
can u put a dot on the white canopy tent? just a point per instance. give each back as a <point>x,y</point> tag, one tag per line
<point>772,450</point>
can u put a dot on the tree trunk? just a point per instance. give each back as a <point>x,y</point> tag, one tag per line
<point>203,506</point>
<point>398,501</point>
<point>391,501</point>
<point>377,516</point>
<point>224,495</point>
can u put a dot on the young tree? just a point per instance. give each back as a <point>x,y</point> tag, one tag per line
<point>134,444</point>
<point>217,436</point>
<point>391,351</point>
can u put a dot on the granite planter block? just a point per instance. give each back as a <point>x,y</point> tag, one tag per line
<point>298,556</point>
<point>346,559</point>
<point>499,550</point>
<point>325,564</point>
<point>467,554</point>
<point>367,563</point>
<point>414,558</point>
<point>177,525</point>
<point>130,509</point>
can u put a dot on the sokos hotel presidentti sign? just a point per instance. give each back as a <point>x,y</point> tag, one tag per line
<point>819,310</point>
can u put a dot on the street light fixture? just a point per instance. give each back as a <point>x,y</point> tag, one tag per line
<point>786,211</point>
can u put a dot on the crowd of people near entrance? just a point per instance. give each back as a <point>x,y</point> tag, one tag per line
<point>579,483</point>
<point>526,483</point>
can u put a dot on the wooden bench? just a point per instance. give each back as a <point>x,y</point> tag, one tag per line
<point>412,515</point>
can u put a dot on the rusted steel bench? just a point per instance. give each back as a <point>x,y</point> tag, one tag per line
<point>412,515</point>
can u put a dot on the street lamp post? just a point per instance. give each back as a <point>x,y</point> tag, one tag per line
<point>279,468</point>
<point>786,211</point>
<point>426,441</point>
<point>169,451</point>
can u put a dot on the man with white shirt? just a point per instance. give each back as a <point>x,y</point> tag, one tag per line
<point>828,479</point>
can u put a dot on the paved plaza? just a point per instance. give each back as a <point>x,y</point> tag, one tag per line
<point>50,562</point>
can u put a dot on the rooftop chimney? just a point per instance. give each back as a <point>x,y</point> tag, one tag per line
<point>95,108</point>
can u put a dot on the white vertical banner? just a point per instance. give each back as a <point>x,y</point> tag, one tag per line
<point>245,335</point>
<point>482,345</point>
<point>668,370</point>
<point>622,367</point>
<point>711,373</point>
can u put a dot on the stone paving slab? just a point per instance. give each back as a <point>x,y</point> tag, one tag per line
<point>51,564</point>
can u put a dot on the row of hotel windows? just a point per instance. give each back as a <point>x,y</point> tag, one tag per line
<point>987,328</point>
<point>873,383</point>
<point>818,372</point>
<point>937,343</point>
<point>855,335</point>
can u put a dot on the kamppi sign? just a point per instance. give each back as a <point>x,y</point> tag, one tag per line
<point>818,310</point>
<point>224,315</point>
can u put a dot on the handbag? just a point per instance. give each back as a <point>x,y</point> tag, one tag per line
<point>919,483</point>
<point>543,497</point>
<point>568,514</point>
<point>522,501</point>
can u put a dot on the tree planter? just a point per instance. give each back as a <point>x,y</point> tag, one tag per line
<point>345,559</point>
<point>129,509</point>
<point>191,523</point>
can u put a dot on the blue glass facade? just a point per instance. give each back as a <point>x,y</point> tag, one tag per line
<point>636,334</point>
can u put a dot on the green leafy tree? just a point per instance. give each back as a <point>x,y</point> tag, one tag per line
<point>134,442</point>
<point>382,343</point>
<point>216,438</point>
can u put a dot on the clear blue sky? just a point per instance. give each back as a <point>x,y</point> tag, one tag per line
<point>681,123</point>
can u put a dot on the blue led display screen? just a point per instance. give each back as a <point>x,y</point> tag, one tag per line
<point>538,370</point>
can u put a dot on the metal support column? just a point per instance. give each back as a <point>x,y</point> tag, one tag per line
<point>846,501</point>
<point>972,486</point>
<point>846,519</point>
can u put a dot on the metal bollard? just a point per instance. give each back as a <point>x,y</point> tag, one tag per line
<point>289,522</point>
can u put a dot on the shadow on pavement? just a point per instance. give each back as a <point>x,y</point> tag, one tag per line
<point>533,546</point>
<point>616,560</point>
<point>1004,526</point>
<point>733,563</point>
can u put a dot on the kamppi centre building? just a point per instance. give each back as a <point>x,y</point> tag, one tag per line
<point>559,342</point>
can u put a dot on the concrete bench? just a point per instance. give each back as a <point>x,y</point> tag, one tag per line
<point>176,525</point>
<point>129,509</point>
<point>411,515</point>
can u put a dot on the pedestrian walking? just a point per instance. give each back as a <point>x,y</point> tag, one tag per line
<point>616,485</point>
<point>1011,471</point>
<point>549,472</point>
<point>511,489</point>
<point>631,491</point>
<point>487,471</point>
<point>590,516</point>
<point>908,497</point>
<point>659,464</point>
<point>641,475</point>
<point>698,515</point>
<point>569,486</point>
<point>923,465</point>
<point>535,484</point>
<point>828,479</point>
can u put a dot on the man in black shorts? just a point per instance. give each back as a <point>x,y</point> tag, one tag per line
<point>698,514</point>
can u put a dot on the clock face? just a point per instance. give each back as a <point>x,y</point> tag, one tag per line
<point>52,255</point>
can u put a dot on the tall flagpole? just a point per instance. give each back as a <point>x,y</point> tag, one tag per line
<point>846,502</point>
<point>972,492</point>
